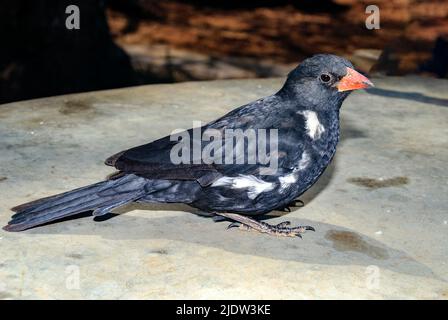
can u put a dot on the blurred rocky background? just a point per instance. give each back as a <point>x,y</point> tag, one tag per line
<point>130,42</point>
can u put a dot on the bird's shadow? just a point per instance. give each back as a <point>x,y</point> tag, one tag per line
<point>413,96</point>
<point>329,245</point>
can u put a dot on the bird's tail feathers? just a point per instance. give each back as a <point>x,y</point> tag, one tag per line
<point>100,197</point>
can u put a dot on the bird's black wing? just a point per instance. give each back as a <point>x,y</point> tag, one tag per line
<point>153,160</point>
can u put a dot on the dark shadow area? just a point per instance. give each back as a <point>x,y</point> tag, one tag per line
<point>349,130</point>
<point>72,218</point>
<point>81,215</point>
<point>438,64</point>
<point>106,217</point>
<point>413,96</point>
<point>329,245</point>
<point>41,57</point>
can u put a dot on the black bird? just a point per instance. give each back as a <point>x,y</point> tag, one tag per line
<point>305,115</point>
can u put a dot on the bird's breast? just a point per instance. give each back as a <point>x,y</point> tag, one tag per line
<point>319,147</point>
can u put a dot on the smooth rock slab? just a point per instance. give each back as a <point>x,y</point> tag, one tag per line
<point>380,210</point>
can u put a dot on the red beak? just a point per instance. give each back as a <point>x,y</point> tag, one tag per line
<point>353,80</point>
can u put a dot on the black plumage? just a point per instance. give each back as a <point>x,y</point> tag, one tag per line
<point>305,113</point>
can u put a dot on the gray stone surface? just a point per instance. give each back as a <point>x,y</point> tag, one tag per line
<point>380,210</point>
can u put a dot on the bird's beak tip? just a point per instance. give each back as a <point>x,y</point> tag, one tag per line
<point>353,80</point>
<point>369,83</point>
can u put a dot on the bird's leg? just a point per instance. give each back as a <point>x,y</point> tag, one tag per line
<point>281,229</point>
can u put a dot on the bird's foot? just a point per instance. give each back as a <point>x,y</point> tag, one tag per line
<point>282,229</point>
<point>295,203</point>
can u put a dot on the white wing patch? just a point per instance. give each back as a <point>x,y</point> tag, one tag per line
<point>254,185</point>
<point>313,126</point>
<point>304,161</point>
<point>292,177</point>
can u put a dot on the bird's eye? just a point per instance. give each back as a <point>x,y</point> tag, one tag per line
<point>325,77</point>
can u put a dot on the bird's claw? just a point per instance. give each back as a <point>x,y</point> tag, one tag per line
<point>281,229</point>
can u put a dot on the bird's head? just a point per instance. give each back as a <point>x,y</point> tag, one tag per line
<point>324,81</point>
